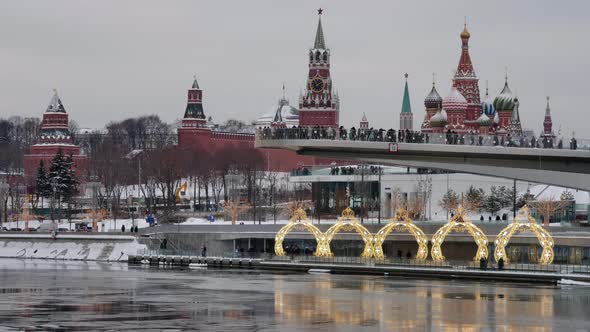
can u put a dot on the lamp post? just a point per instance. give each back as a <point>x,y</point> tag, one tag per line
<point>3,193</point>
<point>20,189</point>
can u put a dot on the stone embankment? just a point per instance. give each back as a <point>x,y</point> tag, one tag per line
<point>69,246</point>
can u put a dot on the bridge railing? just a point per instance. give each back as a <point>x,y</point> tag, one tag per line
<point>393,136</point>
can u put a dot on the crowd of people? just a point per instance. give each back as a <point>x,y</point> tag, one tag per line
<point>347,170</point>
<point>411,136</point>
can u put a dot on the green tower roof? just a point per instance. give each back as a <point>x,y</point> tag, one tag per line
<point>406,108</point>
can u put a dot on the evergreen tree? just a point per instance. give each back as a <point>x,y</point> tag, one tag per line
<point>474,199</point>
<point>493,201</point>
<point>57,171</point>
<point>567,196</point>
<point>62,178</point>
<point>42,185</point>
<point>506,196</point>
<point>70,183</point>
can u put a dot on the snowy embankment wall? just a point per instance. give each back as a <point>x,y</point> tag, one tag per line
<point>69,247</point>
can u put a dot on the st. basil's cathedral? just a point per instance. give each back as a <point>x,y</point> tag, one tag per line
<point>462,111</point>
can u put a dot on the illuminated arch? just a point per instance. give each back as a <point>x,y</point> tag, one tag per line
<point>298,221</point>
<point>459,223</point>
<point>524,222</point>
<point>347,222</point>
<point>401,222</point>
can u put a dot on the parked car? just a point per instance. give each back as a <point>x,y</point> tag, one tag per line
<point>4,229</point>
<point>16,229</point>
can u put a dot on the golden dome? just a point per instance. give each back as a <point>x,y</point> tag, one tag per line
<point>465,33</point>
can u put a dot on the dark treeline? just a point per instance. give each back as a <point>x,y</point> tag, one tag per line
<point>138,158</point>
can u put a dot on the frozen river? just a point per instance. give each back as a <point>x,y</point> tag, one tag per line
<point>77,296</point>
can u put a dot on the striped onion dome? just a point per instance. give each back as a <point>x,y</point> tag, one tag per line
<point>439,119</point>
<point>433,100</point>
<point>484,120</point>
<point>454,101</point>
<point>505,100</point>
<point>487,106</point>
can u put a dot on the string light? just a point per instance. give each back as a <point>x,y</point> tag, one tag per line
<point>347,222</point>
<point>524,222</point>
<point>401,222</point>
<point>298,221</point>
<point>459,223</point>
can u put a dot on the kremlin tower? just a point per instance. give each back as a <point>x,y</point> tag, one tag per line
<point>406,118</point>
<point>548,123</point>
<point>193,127</point>
<point>55,136</point>
<point>319,105</point>
<point>364,124</point>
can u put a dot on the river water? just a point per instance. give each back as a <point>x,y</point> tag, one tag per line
<point>37,295</point>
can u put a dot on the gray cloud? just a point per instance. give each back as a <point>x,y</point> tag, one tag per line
<point>114,59</point>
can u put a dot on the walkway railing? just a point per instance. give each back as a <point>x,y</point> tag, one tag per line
<point>565,268</point>
<point>393,136</point>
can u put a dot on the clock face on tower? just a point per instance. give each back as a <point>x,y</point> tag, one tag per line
<point>317,85</point>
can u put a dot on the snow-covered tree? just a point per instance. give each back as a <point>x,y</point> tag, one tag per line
<point>62,179</point>
<point>42,185</point>
<point>567,196</point>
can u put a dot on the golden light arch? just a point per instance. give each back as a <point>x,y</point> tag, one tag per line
<point>346,222</point>
<point>459,223</point>
<point>401,222</point>
<point>524,222</point>
<point>298,221</point>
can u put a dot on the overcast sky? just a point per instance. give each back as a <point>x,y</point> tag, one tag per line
<point>115,59</point>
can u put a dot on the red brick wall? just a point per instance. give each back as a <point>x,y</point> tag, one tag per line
<point>274,159</point>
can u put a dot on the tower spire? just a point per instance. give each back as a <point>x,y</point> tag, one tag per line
<point>406,118</point>
<point>548,122</point>
<point>319,42</point>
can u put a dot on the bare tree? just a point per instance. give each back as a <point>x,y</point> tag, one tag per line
<point>548,207</point>
<point>449,201</point>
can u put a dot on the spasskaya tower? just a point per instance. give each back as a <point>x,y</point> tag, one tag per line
<point>319,105</point>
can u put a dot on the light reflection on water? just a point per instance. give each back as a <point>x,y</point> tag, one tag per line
<point>78,296</point>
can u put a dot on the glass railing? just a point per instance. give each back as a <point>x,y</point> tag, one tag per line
<point>393,136</point>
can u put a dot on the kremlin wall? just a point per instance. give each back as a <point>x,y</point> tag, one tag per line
<point>461,111</point>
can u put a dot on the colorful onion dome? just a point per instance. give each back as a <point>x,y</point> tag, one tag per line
<point>454,101</point>
<point>487,106</point>
<point>484,120</point>
<point>433,100</point>
<point>439,119</point>
<point>505,100</point>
